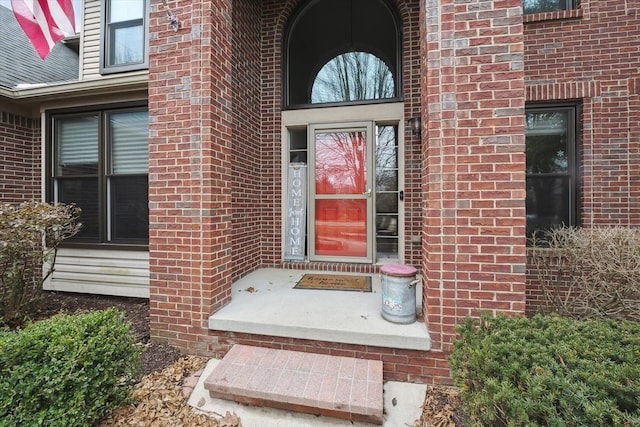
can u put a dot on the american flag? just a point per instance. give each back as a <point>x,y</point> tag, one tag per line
<point>45,22</point>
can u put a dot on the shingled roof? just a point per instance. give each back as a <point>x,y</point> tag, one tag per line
<point>19,62</point>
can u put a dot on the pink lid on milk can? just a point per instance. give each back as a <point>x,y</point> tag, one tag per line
<point>398,270</point>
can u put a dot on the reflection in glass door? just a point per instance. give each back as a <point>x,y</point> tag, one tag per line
<point>341,193</point>
<point>387,195</point>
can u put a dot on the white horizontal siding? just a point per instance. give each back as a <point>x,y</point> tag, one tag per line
<point>105,272</point>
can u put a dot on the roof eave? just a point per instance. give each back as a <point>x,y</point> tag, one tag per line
<point>79,88</point>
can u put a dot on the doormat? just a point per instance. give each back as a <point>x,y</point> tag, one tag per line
<point>335,282</point>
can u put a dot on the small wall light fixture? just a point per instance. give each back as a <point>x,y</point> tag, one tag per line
<point>173,21</point>
<point>415,124</point>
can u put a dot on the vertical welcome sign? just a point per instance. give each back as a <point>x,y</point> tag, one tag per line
<point>296,213</point>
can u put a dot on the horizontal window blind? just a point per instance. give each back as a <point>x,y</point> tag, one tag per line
<point>77,143</point>
<point>129,139</point>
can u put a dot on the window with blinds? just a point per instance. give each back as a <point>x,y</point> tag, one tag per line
<point>127,182</point>
<point>101,165</point>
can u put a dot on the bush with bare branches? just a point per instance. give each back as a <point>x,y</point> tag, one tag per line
<point>30,235</point>
<point>589,272</point>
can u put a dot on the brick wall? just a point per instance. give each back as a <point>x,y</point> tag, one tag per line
<point>591,56</point>
<point>190,172</point>
<point>410,15</point>
<point>473,173</point>
<point>20,154</point>
<point>249,185</point>
<point>274,19</point>
<point>398,365</point>
<point>557,289</point>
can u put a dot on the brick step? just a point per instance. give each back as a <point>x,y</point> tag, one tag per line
<point>319,384</point>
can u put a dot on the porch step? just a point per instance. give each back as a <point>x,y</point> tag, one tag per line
<point>319,384</point>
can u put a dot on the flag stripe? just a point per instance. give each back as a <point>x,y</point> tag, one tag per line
<point>62,13</point>
<point>47,23</point>
<point>44,19</point>
<point>26,20</point>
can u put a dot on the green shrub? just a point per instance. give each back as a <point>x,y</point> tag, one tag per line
<point>67,370</point>
<point>548,371</point>
<point>23,231</point>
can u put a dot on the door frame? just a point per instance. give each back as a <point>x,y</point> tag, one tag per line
<point>378,114</point>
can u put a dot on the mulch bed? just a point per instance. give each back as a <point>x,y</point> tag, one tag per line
<point>441,408</point>
<point>158,397</point>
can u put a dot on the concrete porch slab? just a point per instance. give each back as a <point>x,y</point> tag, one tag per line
<point>265,303</point>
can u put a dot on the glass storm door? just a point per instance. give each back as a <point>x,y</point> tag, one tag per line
<point>341,214</point>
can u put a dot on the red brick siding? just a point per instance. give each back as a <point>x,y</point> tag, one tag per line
<point>557,286</point>
<point>274,20</point>
<point>248,199</point>
<point>534,294</point>
<point>398,365</point>
<point>20,155</point>
<point>410,16</point>
<point>190,172</point>
<point>594,60</point>
<point>473,173</point>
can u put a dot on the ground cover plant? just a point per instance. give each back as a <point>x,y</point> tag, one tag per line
<point>69,370</point>
<point>548,371</point>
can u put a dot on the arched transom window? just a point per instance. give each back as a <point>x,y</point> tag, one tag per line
<point>342,52</point>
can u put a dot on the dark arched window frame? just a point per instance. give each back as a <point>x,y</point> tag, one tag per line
<point>306,49</point>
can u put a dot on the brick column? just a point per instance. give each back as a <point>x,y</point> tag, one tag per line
<point>473,161</point>
<point>189,169</point>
